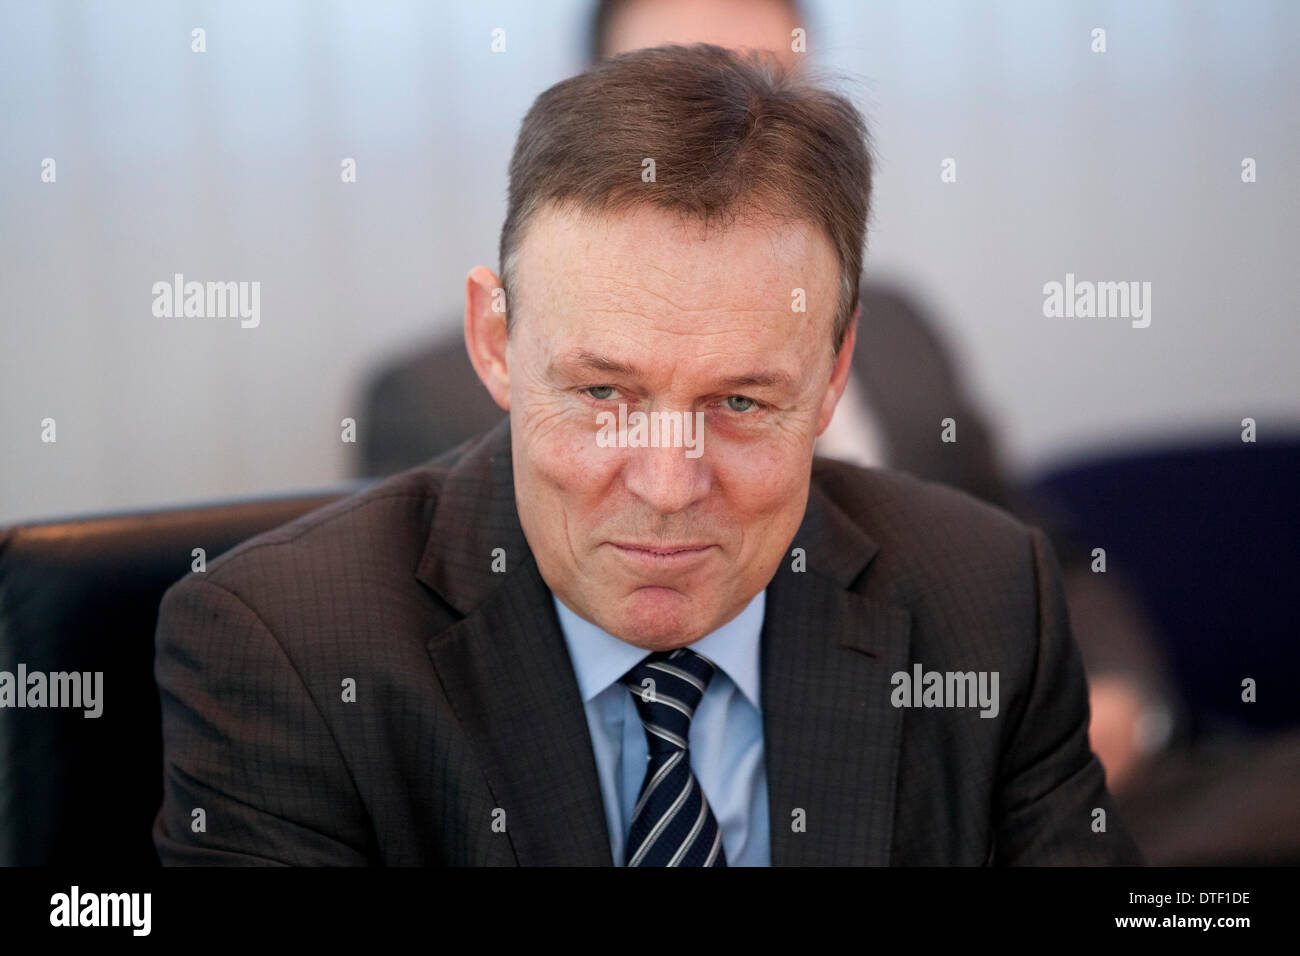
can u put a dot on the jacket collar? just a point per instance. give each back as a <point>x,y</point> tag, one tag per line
<point>475,516</point>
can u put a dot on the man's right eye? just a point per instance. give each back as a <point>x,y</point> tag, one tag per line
<point>600,392</point>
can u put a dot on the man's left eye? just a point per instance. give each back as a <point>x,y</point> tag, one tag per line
<point>739,403</point>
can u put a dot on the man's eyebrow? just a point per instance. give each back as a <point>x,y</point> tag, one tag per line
<point>586,361</point>
<point>758,380</point>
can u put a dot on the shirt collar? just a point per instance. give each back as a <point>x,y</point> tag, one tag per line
<point>600,659</point>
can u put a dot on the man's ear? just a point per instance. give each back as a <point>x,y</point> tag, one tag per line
<point>839,374</point>
<point>485,332</point>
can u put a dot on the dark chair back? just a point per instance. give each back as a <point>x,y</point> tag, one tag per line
<point>82,595</point>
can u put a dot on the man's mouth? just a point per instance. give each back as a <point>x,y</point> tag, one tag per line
<point>659,556</point>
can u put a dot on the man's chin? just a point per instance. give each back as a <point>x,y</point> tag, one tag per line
<point>659,619</point>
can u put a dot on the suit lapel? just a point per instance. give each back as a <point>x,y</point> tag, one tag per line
<point>505,667</point>
<point>506,671</point>
<point>831,736</point>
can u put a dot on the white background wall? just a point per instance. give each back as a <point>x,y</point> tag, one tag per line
<point>225,165</point>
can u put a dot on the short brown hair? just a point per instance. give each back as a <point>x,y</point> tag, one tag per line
<point>730,133</point>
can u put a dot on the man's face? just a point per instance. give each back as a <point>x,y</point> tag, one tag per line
<point>657,546</point>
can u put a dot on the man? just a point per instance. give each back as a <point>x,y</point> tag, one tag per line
<point>577,642</point>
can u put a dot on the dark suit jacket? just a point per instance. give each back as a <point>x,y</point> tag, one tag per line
<point>466,703</point>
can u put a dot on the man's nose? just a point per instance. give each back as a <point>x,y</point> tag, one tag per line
<point>666,478</point>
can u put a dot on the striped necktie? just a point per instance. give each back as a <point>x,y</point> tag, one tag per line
<point>672,824</point>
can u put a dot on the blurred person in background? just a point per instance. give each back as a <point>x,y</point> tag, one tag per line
<point>902,385</point>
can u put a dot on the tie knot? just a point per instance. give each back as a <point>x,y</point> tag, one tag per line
<point>667,686</point>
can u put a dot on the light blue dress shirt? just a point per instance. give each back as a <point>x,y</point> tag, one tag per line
<point>726,731</point>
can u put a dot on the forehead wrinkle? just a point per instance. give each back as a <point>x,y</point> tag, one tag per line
<point>638,290</point>
<point>587,278</point>
<point>609,281</point>
<point>625,304</point>
<point>701,311</point>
